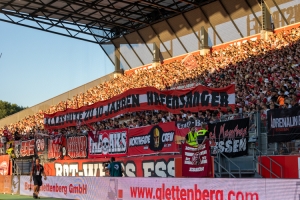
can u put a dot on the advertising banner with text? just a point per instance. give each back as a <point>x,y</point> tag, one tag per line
<point>147,166</point>
<point>148,98</point>
<point>107,143</point>
<point>154,139</point>
<point>164,188</point>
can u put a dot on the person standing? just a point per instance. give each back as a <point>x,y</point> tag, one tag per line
<point>202,134</point>
<point>194,138</point>
<point>115,168</point>
<point>191,137</point>
<point>36,174</point>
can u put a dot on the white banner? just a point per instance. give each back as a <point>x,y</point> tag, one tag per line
<point>106,188</point>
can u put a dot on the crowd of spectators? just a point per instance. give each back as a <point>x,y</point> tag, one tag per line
<point>266,74</point>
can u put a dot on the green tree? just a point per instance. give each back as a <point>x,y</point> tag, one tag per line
<point>7,109</point>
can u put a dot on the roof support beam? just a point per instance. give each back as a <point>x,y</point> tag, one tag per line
<point>217,34</point>
<point>253,13</point>
<point>48,23</point>
<point>49,31</point>
<point>234,24</point>
<point>94,7</point>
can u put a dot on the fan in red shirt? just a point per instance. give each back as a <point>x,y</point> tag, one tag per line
<point>5,131</point>
<point>7,134</point>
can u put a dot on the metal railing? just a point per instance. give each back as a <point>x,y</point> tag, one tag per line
<point>15,168</point>
<point>226,169</point>
<point>261,165</point>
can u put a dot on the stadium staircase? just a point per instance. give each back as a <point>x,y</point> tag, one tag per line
<point>245,166</point>
<point>21,167</point>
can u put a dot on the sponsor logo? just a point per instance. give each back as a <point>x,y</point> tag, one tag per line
<point>64,189</point>
<point>176,193</point>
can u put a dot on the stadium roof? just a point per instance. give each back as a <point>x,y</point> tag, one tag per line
<point>97,21</point>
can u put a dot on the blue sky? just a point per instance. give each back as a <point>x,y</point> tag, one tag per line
<point>36,66</point>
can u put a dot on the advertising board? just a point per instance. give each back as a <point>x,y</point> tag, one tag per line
<point>164,188</point>
<point>148,166</point>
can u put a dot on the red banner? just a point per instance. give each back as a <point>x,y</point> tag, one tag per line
<point>77,147</point>
<point>149,98</point>
<point>108,143</point>
<point>55,147</point>
<point>152,139</point>
<point>24,148</point>
<point>146,166</point>
<point>196,162</point>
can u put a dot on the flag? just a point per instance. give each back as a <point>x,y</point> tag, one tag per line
<point>93,135</point>
<point>57,140</point>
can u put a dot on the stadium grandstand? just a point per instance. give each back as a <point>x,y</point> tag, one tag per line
<point>169,47</point>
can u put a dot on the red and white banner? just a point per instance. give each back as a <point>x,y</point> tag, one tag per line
<point>149,98</point>
<point>40,144</point>
<point>190,62</point>
<point>55,147</point>
<point>152,139</point>
<point>107,143</point>
<point>146,166</point>
<point>196,161</point>
<point>24,148</point>
<point>164,188</point>
<point>77,147</point>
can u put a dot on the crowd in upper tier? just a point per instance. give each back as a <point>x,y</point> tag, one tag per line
<point>266,74</point>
